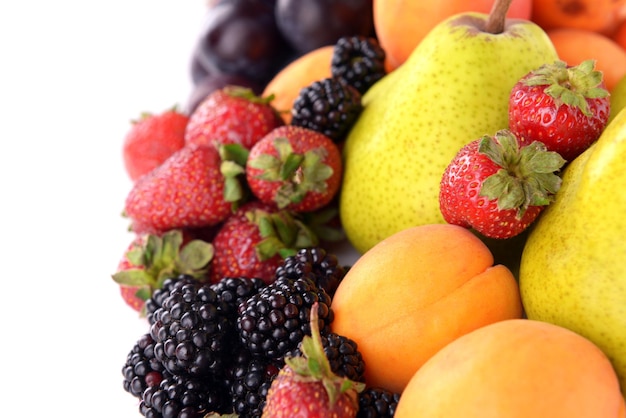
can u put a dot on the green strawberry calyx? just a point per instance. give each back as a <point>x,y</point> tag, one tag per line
<point>570,85</point>
<point>313,365</point>
<point>527,177</point>
<point>159,257</point>
<point>298,173</point>
<point>282,233</point>
<point>232,167</point>
<point>247,94</point>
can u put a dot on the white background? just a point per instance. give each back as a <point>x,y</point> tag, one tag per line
<point>72,76</point>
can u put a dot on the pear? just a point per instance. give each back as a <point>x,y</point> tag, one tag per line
<point>573,266</point>
<point>453,88</point>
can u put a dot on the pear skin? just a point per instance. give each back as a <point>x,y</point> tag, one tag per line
<point>453,89</point>
<point>573,266</point>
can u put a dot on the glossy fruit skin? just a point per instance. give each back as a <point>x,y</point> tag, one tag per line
<point>212,82</point>
<point>461,203</point>
<point>186,191</point>
<point>534,115</point>
<point>235,252</point>
<point>310,24</point>
<point>240,37</point>
<point>229,118</point>
<point>302,140</point>
<point>151,140</point>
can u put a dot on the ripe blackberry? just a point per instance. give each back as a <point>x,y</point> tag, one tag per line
<point>191,332</point>
<point>183,397</point>
<point>327,106</point>
<point>232,291</point>
<point>377,403</point>
<point>315,264</point>
<point>343,355</point>
<point>158,296</point>
<point>249,380</point>
<point>142,369</point>
<point>273,322</point>
<point>358,61</point>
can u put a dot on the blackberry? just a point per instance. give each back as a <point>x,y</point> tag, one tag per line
<point>191,332</point>
<point>343,355</point>
<point>232,291</point>
<point>316,264</point>
<point>158,296</point>
<point>249,380</point>
<point>327,106</point>
<point>377,403</point>
<point>358,61</point>
<point>142,369</point>
<point>273,322</point>
<point>183,397</point>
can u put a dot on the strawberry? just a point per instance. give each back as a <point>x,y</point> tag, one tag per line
<point>232,115</point>
<point>307,387</point>
<point>150,259</point>
<point>295,168</point>
<point>497,187</point>
<point>151,140</point>
<point>565,107</point>
<point>186,191</point>
<point>254,241</point>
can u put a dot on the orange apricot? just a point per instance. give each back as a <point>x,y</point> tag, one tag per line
<point>401,24</point>
<point>577,45</point>
<point>619,36</point>
<point>594,15</point>
<point>304,70</point>
<point>516,368</point>
<point>416,291</point>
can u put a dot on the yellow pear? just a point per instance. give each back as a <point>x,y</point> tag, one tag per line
<point>618,98</point>
<point>573,266</point>
<point>454,88</point>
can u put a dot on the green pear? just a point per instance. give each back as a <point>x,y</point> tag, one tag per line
<point>573,266</point>
<point>453,89</point>
<point>618,98</point>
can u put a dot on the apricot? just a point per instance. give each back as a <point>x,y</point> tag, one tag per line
<point>577,45</point>
<point>594,15</point>
<point>401,24</point>
<point>304,70</point>
<point>619,36</point>
<point>516,368</point>
<point>416,291</point>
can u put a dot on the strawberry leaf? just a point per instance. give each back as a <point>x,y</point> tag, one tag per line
<point>133,277</point>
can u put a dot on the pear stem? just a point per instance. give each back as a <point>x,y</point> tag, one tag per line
<point>497,16</point>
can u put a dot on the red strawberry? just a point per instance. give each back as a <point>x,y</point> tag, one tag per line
<point>151,140</point>
<point>307,387</point>
<point>150,259</point>
<point>565,107</point>
<point>254,241</point>
<point>295,168</point>
<point>186,191</point>
<point>232,115</point>
<point>498,188</point>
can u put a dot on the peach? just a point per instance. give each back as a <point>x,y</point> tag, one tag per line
<point>402,24</point>
<point>416,291</point>
<point>577,45</point>
<point>595,15</point>
<point>517,368</point>
<point>287,83</point>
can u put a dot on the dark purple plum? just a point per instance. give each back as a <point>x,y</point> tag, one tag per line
<point>310,24</point>
<point>240,37</point>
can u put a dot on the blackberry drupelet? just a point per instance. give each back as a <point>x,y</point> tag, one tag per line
<point>377,403</point>
<point>250,378</point>
<point>316,264</point>
<point>327,106</point>
<point>273,322</point>
<point>184,397</point>
<point>343,355</point>
<point>192,332</point>
<point>232,291</point>
<point>358,61</point>
<point>159,295</point>
<point>142,369</point>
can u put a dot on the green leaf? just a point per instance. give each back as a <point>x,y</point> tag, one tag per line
<point>195,255</point>
<point>133,277</point>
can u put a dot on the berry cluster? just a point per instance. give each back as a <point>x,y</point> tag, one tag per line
<point>235,189</point>
<point>217,347</point>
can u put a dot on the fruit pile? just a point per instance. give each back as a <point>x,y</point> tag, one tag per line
<point>301,133</point>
